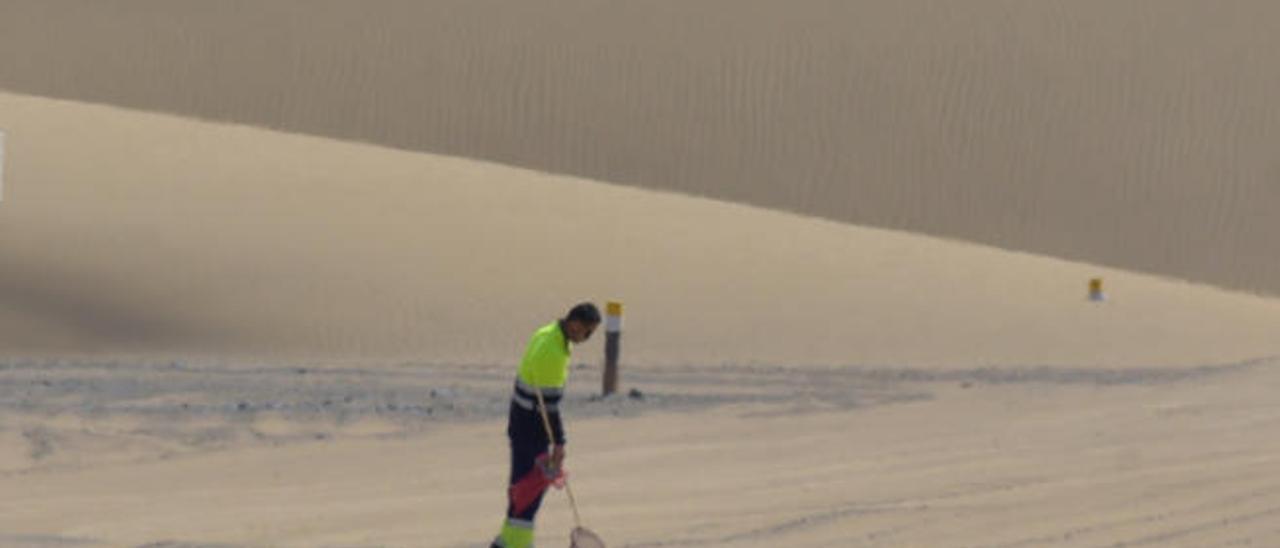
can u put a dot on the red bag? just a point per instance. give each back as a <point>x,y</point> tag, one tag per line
<point>531,486</point>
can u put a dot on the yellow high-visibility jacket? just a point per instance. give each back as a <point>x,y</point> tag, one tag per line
<point>545,367</point>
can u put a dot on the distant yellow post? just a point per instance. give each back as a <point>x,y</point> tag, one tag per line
<point>612,342</point>
<point>1095,290</point>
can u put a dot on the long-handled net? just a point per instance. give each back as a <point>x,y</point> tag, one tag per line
<point>581,537</point>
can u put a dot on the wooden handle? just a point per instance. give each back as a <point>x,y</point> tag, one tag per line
<point>546,423</point>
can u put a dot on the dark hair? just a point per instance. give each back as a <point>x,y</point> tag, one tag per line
<point>585,313</point>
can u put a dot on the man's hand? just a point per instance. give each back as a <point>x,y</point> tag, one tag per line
<point>557,456</point>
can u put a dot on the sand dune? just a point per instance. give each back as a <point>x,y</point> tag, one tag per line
<point>1138,134</point>
<point>215,334</point>
<point>130,233</point>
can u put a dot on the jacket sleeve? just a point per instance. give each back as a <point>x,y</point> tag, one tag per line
<point>557,428</point>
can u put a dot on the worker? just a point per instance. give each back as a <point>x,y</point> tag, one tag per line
<point>544,369</point>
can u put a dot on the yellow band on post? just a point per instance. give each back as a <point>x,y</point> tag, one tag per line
<point>1095,290</point>
<point>613,317</point>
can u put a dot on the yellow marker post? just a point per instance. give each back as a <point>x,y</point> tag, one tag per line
<point>612,342</point>
<point>1095,290</point>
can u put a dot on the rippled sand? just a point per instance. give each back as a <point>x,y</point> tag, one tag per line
<point>1138,134</point>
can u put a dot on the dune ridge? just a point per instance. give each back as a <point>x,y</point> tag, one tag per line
<point>127,232</point>
<point>1138,135</point>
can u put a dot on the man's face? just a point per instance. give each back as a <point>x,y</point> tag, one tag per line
<point>579,332</point>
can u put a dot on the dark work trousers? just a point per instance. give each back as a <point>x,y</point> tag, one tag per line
<point>528,439</point>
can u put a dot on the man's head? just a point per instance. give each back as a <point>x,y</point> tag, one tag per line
<point>581,321</point>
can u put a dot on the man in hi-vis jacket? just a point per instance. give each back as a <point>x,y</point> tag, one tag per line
<point>544,368</point>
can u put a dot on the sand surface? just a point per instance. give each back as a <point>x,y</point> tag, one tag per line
<point>709,457</point>
<point>226,336</point>
<point>224,327</point>
<point>1138,134</point>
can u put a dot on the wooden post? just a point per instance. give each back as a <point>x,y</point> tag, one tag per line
<point>1095,290</point>
<point>612,342</point>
